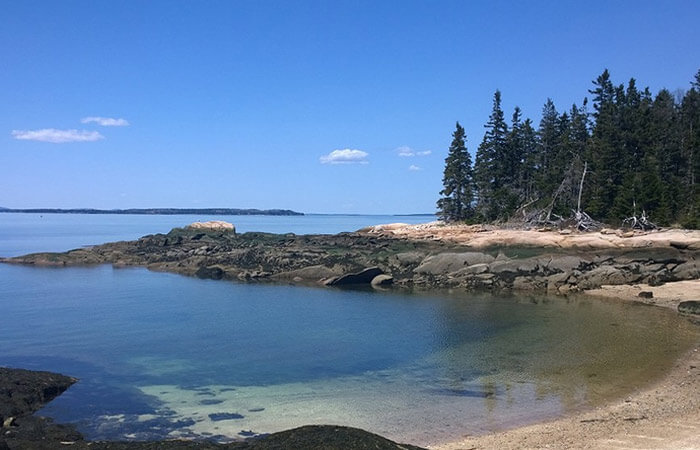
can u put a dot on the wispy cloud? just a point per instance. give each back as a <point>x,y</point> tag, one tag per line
<point>106,121</point>
<point>57,136</point>
<point>414,168</point>
<point>346,156</point>
<point>407,152</point>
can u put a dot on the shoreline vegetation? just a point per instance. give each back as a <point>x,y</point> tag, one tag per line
<point>664,265</point>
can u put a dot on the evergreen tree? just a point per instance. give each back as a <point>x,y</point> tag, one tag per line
<point>490,166</point>
<point>689,136</point>
<point>457,194</point>
<point>662,167</point>
<point>642,154</point>
<point>603,151</point>
<point>528,166</point>
<point>548,136</point>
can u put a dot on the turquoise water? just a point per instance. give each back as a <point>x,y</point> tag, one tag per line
<point>161,355</point>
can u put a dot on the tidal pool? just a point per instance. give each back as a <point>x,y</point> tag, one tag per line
<point>161,355</point>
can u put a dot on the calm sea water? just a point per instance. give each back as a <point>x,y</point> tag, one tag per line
<point>161,355</point>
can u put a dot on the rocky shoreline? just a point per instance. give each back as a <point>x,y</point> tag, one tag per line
<point>382,256</point>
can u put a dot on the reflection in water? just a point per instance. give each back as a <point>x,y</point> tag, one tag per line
<point>164,356</point>
<point>577,350</point>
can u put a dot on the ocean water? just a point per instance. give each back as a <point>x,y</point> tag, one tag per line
<point>27,233</point>
<point>162,355</point>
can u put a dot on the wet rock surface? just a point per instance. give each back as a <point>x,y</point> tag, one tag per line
<point>358,258</point>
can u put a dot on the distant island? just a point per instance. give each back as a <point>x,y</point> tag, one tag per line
<point>161,211</point>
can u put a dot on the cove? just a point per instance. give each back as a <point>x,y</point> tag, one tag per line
<point>161,355</point>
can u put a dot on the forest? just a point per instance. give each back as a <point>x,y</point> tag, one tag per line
<point>630,159</point>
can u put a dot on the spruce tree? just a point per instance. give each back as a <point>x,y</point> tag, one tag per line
<point>457,193</point>
<point>689,135</point>
<point>489,169</point>
<point>603,151</point>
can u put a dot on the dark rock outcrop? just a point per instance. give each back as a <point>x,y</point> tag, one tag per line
<point>362,277</point>
<point>23,392</point>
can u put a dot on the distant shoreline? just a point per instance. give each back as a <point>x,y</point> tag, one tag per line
<point>160,211</point>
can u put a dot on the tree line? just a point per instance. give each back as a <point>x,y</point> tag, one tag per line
<point>633,153</point>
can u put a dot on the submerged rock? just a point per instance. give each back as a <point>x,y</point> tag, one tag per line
<point>22,392</point>
<point>689,307</point>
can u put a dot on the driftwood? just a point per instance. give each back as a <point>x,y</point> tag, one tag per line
<point>545,218</point>
<point>642,223</point>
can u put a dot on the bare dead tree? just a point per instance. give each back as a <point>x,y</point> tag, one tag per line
<point>545,217</point>
<point>642,223</point>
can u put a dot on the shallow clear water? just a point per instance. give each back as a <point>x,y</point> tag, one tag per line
<point>162,355</point>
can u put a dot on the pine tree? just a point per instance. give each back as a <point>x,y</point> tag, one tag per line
<point>457,194</point>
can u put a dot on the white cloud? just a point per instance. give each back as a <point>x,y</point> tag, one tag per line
<point>414,167</point>
<point>346,156</point>
<point>408,152</point>
<point>106,121</point>
<point>57,136</point>
<point>405,151</point>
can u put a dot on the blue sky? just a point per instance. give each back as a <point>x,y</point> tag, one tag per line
<point>255,103</point>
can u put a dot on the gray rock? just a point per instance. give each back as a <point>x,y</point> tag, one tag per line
<point>382,280</point>
<point>502,257</point>
<point>679,245</point>
<point>527,283</point>
<point>689,307</point>
<point>565,263</point>
<point>474,269</point>
<point>556,280</point>
<point>606,275</point>
<point>528,265</point>
<point>314,273</point>
<point>686,271</point>
<point>409,258</point>
<point>451,262</point>
<point>646,294</point>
